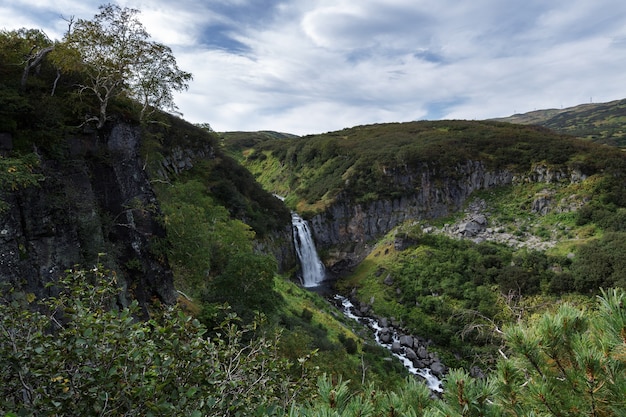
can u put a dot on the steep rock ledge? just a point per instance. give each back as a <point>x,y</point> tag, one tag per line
<point>95,205</point>
<point>347,227</point>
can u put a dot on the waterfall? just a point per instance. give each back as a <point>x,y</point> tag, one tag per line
<point>312,267</point>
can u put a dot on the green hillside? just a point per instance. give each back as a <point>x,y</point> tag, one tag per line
<point>363,162</point>
<point>598,122</point>
<point>146,268</point>
<point>462,287</point>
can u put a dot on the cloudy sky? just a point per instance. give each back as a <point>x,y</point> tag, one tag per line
<point>311,66</point>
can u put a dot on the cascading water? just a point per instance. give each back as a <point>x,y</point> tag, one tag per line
<point>313,271</point>
<point>432,381</point>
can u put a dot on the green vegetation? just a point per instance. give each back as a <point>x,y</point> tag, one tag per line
<point>243,339</point>
<point>368,163</point>
<point>343,348</point>
<point>597,122</point>
<point>17,173</point>
<point>77,354</point>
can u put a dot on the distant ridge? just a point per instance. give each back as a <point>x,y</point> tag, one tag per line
<point>599,122</point>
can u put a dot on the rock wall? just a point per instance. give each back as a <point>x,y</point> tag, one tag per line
<point>351,225</point>
<point>96,204</point>
<point>432,197</point>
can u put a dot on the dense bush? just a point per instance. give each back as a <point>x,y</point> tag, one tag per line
<point>77,354</point>
<point>454,291</point>
<point>601,264</point>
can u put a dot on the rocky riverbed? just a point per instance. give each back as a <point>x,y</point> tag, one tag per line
<point>411,350</point>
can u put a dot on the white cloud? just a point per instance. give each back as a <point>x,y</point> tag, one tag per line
<point>307,67</point>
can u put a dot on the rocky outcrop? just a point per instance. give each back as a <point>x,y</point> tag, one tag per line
<point>350,226</point>
<point>432,197</point>
<point>96,204</point>
<point>475,227</point>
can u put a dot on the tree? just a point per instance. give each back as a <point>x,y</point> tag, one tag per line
<point>568,363</point>
<point>246,284</point>
<point>41,47</point>
<point>201,236</point>
<point>25,48</point>
<point>115,54</point>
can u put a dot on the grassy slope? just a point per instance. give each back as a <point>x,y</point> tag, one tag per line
<point>599,122</point>
<point>310,323</point>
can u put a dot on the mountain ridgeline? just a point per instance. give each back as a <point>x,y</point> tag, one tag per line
<point>597,122</point>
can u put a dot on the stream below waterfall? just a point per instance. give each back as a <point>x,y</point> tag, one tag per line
<point>349,311</point>
<point>312,276</point>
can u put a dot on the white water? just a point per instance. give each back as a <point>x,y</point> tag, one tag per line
<point>432,381</point>
<point>313,271</point>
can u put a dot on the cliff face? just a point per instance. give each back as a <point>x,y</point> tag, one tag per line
<point>96,205</point>
<point>350,226</point>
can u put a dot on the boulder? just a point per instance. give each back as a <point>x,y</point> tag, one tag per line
<point>438,369</point>
<point>410,354</point>
<point>470,228</point>
<point>385,335</point>
<point>419,364</point>
<point>406,341</point>
<point>422,352</point>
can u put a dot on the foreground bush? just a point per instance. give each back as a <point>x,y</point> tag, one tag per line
<point>75,354</point>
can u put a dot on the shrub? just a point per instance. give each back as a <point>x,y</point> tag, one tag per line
<point>76,354</point>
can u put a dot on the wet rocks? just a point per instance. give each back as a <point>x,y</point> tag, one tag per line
<point>390,333</point>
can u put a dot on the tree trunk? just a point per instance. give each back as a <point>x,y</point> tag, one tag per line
<point>32,61</point>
